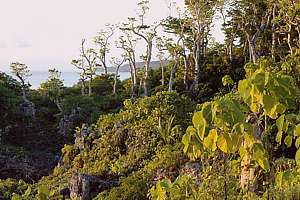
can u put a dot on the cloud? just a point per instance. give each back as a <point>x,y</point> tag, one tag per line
<point>22,44</point>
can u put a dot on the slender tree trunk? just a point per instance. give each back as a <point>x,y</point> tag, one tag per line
<point>82,88</point>
<point>289,38</point>
<point>162,72</point>
<point>23,87</point>
<point>231,48</point>
<point>172,75</point>
<point>273,51</point>
<point>197,58</point>
<point>115,81</point>
<point>273,44</point>
<point>141,84</point>
<point>90,87</point>
<point>185,60</point>
<point>58,105</point>
<point>245,53</point>
<point>147,68</point>
<point>133,79</point>
<point>185,75</point>
<point>252,39</point>
<point>252,46</point>
<point>105,69</point>
<point>298,31</point>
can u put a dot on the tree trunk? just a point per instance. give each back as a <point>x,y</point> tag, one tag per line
<point>253,52</point>
<point>24,93</point>
<point>172,75</point>
<point>58,105</point>
<point>82,88</point>
<point>115,81</point>
<point>23,87</point>
<point>162,72</point>
<point>133,79</point>
<point>197,58</point>
<point>231,48</point>
<point>252,39</point>
<point>298,31</point>
<point>289,38</point>
<point>273,51</point>
<point>185,60</point>
<point>248,179</point>
<point>185,75</point>
<point>147,68</point>
<point>105,69</point>
<point>90,87</point>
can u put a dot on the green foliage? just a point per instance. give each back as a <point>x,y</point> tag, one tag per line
<point>9,187</point>
<point>103,85</point>
<point>226,80</point>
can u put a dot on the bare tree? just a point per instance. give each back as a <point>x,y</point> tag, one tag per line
<point>79,64</point>
<point>128,44</point>
<point>117,63</point>
<point>147,34</point>
<point>201,16</point>
<point>89,56</point>
<point>102,40</point>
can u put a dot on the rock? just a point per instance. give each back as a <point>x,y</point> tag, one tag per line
<point>80,187</point>
<point>192,169</point>
<point>85,187</point>
<point>27,109</point>
<point>81,138</point>
<point>67,122</point>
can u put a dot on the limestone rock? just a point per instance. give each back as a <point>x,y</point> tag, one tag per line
<point>27,109</point>
<point>67,122</point>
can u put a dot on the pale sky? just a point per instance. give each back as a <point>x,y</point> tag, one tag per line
<point>47,33</point>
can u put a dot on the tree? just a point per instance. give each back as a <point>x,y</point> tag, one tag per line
<point>53,87</point>
<point>201,13</point>
<point>289,19</point>
<point>147,34</point>
<point>88,66</point>
<point>162,50</point>
<point>180,28</point>
<point>253,18</point>
<point>82,75</point>
<point>175,51</point>
<point>128,44</point>
<point>22,72</point>
<point>102,40</point>
<point>117,63</point>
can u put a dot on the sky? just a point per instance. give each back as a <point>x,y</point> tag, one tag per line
<point>48,33</point>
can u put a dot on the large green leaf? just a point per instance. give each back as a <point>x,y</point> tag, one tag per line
<point>260,156</point>
<point>224,143</point>
<point>192,143</point>
<point>297,130</point>
<point>288,141</point>
<point>279,124</point>
<point>210,141</point>
<point>297,143</point>
<point>297,157</point>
